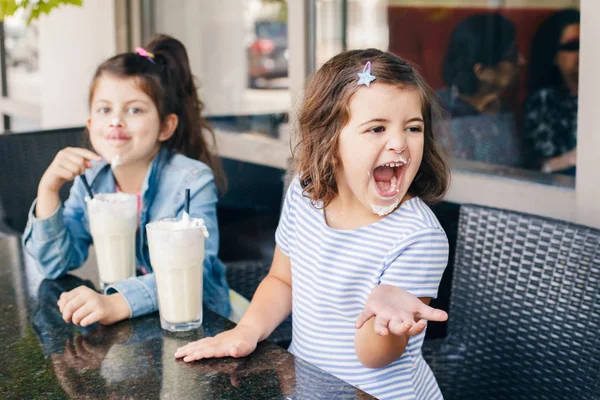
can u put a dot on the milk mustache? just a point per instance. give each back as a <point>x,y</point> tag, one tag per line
<point>177,256</point>
<point>113,225</point>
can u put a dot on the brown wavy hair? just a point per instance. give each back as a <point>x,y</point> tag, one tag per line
<point>325,110</point>
<point>169,82</point>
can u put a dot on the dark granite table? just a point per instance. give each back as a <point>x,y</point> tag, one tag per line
<point>42,357</point>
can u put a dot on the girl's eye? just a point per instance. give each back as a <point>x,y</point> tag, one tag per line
<point>415,129</point>
<point>135,110</point>
<point>377,129</point>
<point>104,110</point>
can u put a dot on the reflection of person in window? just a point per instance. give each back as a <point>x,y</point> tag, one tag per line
<point>482,61</point>
<point>551,109</point>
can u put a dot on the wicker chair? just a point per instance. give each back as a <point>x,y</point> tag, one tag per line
<point>244,277</point>
<point>23,159</point>
<point>524,310</point>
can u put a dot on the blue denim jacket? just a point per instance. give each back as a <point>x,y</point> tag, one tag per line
<point>60,242</point>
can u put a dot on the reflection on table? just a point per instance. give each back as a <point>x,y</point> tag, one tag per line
<point>45,357</point>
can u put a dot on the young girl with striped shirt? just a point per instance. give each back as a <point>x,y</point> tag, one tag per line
<point>359,253</point>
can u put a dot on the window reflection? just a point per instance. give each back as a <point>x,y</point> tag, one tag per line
<point>482,63</point>
<point>551,110</point>
<point>506,72</point>
<point>239,53</point>
<point>22,70</point>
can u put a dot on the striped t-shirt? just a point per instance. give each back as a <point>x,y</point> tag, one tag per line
<point>333,273</point>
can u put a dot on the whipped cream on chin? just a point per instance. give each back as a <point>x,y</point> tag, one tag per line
<point>385,210</point>
<point>116,161</point>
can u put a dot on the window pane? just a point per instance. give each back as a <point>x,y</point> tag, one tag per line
<point>238,51</point>
<point>22,69</point>
<point>506,73</point>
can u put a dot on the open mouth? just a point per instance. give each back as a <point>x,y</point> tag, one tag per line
<point>387,178</point>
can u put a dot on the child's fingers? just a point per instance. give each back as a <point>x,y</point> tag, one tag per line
<point>82,312</point>
<point>76,169</point>
<point>363,317</point>
<point>91,318</point>
<point>64,298</point>
<point>380,325</point>
<point>85,153</point>
<point>209,351</point>
<point>400,325</point>
<point>64,173</point>
<point>80,349</point>
<point>213,349</point>
<point>190,348</point>
<point>75,158</point>
<point>82,345</point>
<point>431,314</point>
<point>417,327</point>
<point>71,306</point>
<point>80,161</point>
<point>61,302</point>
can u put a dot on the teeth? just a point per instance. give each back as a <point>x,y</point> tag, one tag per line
<point>395,165</point>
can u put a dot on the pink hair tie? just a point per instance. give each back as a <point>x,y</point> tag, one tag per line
<point>144,53</point>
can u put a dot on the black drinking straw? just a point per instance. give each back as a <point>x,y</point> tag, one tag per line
<point>187,201</point>
<point>87,186</point>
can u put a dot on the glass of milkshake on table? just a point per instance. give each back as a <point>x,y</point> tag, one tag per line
<point>177,256</point>
<point>113,224</point>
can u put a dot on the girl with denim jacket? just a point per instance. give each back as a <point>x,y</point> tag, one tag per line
<point>145,121</point>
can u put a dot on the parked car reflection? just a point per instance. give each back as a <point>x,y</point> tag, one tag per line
<point>268,55</point>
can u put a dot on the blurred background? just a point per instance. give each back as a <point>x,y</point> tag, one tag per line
<point>510,127</point>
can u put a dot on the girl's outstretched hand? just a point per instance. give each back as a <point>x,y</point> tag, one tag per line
<point>397,312</point>
<point>237,342</point>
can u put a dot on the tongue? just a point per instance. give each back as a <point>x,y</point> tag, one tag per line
<point>383,174</point>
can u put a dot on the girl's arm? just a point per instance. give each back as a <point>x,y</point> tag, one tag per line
<point>559,163</point>
<point>398,307</point>
<point>271,304</point>
<point>59,242</point>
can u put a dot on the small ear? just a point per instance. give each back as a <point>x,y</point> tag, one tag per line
<point>88,123</point>
<point>169,127</point>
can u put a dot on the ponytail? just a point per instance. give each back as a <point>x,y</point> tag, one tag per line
<point>181,98</point>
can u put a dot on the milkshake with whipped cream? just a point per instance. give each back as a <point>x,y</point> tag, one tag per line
<point>113,225</point>
<point>177,257</point>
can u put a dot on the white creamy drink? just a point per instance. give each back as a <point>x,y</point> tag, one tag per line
<point>177,254</point>
<point>113,225</point>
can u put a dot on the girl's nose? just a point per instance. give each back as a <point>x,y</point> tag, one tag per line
<point>396,143</point>
<point>116,122</point>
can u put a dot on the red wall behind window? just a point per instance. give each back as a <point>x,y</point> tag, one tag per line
<point>421,35</point>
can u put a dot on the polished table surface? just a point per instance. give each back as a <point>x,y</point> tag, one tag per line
<point>43,357</point>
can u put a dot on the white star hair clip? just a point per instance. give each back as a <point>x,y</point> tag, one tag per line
<point>365,77</point>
